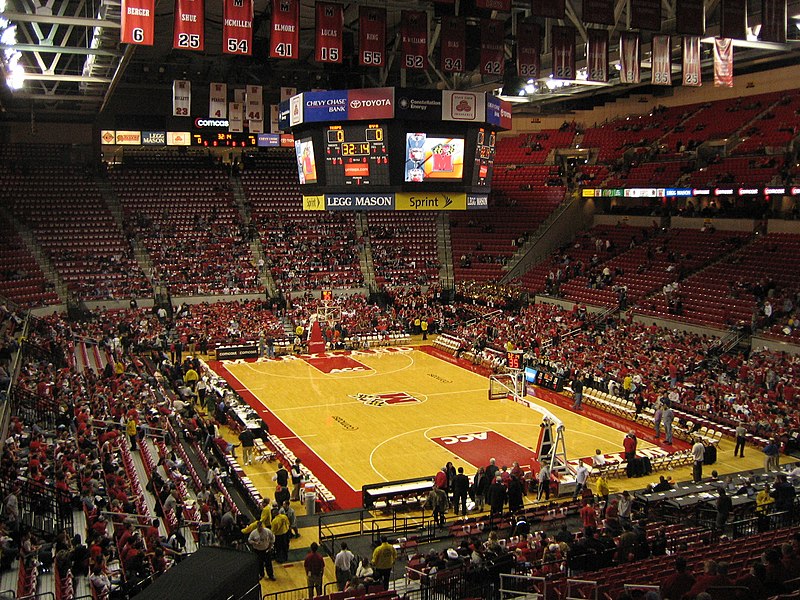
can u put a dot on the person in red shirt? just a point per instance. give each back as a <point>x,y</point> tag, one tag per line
<point>629,443</point>
<point>678,583</point>
<point>314,566</point>
<point>710,578</point>
<point>588,517</point>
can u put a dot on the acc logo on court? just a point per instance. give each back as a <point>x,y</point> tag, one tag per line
<point>388,398</point>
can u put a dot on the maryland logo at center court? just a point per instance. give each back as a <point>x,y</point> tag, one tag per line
<point>387,398</point>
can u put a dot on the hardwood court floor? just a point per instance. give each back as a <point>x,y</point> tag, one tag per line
<point>396,414</point>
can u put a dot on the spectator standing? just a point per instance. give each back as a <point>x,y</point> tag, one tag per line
<point>577,392</point>
<point>314,565</point>
<point>741,434</point>
<point>343,562</point>
<point>629,444</point>
<point>262,541</point>
<point>771,452</point>
<point>724,507</point>
<point>544,482</point>
<point>698,455</point>
<point>581,475</point>
<point>248,442</point>
<point>384,557</point>
<point>297,480</point>
<point>460,491</point>
<point>667,417</point>
<point>281,527</point>
<point>678,583</point>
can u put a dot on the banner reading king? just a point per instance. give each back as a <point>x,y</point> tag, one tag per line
<point>371,36</point>
<point>493,58</point>
<point>414,39</point>
<point>237,27</point>
<point>189,25</point>
<point>453,40</point>
<point>285,39</point>
<point>328,33</point>
<point>138,22</point>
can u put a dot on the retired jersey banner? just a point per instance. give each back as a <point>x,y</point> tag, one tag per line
<point>181,98</point>
<point>138,22</point>
<point>646,14</point>
<point>453,44</point>
<point>598,11</point>
<point>630,57</point>
<point>597,55</point>
<point>733,19</point>
<point>690,17</point>
<point>529,50</point>
<point>254,110</point>
<point>552,9</point>
<point>328,33</point>
<point>501,5</point>
<point>691,61</point>
<point>723,62</point>
<point>661,69</point>
<point>235,117</point>
<point>562,41</point>
<point>413,39</point>
<point>371,36</point>
<point>189,26</point>
<point>285,39</point>
<point>218,101</point>
<point>237,27</point>
<point>773,21</point>
<point>493,57</point>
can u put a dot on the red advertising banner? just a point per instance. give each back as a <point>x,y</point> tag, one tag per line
<point>597,55</point>
<point>552,9</point>
<point>529,49</point>
<point>733,19</point>
<point>138,22</point>
<point>328,33</point>
<point>598,11</point>
<point>189,26</point>
<point>563,49</point>
<point>371,36</point>
<point>493,58</point>
<point>773,21</point>
<point>370,103</point>
<point>691,61</point>
<point>690,17</point>
<point>501,5</point>
<point>630,45</point>
<point>413,39</point>
<point>723,62</point>
<point>453,48</point>
<point>237,27</point>
<point>285,39</point>
<point>646,14</point>
<point>661,70</point>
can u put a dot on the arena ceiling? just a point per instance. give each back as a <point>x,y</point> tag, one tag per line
<point>74,63</point>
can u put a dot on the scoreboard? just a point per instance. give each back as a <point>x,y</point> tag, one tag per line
<point>484,157</point>
<point>356,154</point>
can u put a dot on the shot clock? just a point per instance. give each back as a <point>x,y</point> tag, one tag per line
<point>356,155</point>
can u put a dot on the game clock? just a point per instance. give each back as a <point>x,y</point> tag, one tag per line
<point>224,140</point>
<point>356,155</point>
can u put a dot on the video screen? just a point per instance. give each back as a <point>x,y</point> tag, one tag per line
<point>306,163</point>
<point>433,158</point>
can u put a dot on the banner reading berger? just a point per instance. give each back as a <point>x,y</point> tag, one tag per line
<point>138,22</point>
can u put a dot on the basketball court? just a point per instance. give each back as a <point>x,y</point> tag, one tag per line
<point>387,414</point>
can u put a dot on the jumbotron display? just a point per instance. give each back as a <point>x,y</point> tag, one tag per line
<point>395,149</point>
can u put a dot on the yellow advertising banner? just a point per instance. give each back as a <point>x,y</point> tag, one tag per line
<point>314,202</point>
<point>430,201</point>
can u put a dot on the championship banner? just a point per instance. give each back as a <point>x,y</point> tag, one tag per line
<point>413,39</point>
<point>563,50</point>
<point>529,49</point>
<point>493,58</point>
<point>371,36</point>
<point>218,101</point>
<point>646,14</point>
<point>189,25</point>
<point>597,55</point>
<point>691,61</point>
<point>629,57</point>
<point>690,17</point>
<point>237,27</point>
<point>284,42</point>
<point>773,21</point>
<point>723,62</point>
<point>254,104</point>
<point>661,69</point>
<point>138,22</point>
<point>181,98</point>
<point>500,5</point>
<point>453,40</point>
<point>552,9</point>
<point>235,118</point>
<point>598,11</point>
<point>328,33</point>
<point>733,19</point>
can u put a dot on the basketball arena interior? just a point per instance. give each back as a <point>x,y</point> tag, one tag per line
<point>403,300</point>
